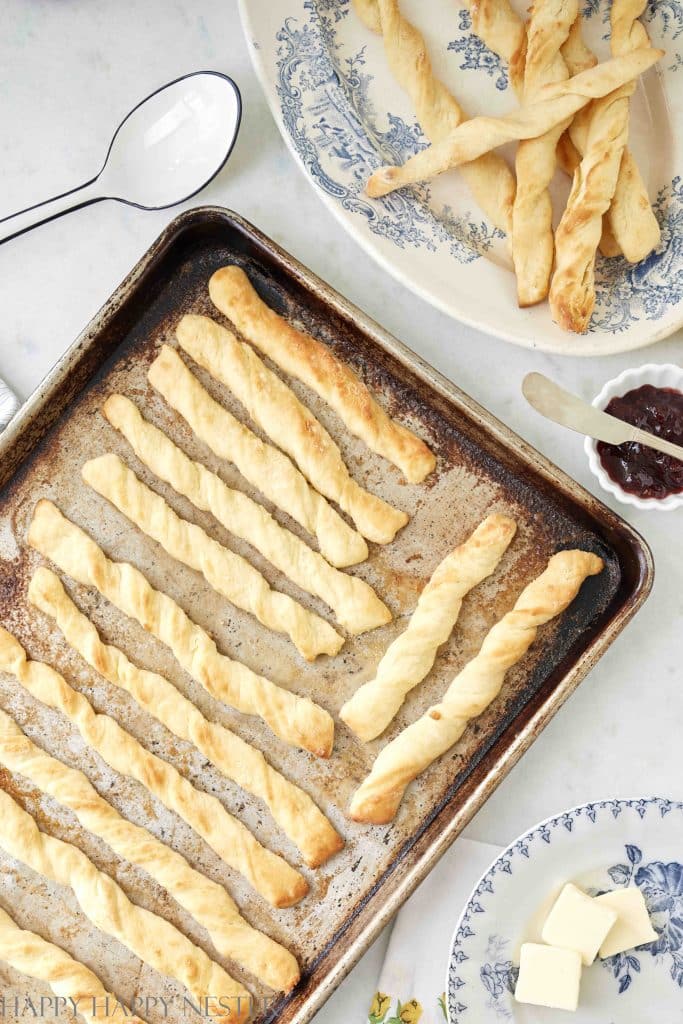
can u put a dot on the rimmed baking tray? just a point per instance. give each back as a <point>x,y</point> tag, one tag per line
<point>482,467</point>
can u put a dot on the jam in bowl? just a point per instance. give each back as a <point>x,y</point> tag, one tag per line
<point>637,468</point>
<point>651,398</point>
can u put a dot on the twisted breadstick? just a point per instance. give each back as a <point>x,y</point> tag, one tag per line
<point>630,216</point>
<point>501,29</point>
<point>572,293</point>
<point>532,215</point>
<point>205,900</point>
<point>489,178</point>
<point>278,412</point>
<point>555,104</point>
<point>264,466</point>
<point>151,938</point>
<point>293,809</point>
<point>228,573</point>
<point>295,719</point>
<point>307,359</point>
<point>69,980</point>
<point>473,689</point>
<point>410,657</point>
<point>269,874</point>
<point>353,601</point>
<point>630,225</point>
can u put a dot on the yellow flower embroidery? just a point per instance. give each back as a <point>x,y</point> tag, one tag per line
<point>410,1012</point>
<point>379,1007</point>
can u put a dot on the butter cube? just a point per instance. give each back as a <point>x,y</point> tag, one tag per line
<point>578,922</point>
<point>632,927</point>
<point>548,976</point>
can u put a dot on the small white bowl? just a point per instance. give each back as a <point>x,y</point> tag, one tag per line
<point>665,375</point>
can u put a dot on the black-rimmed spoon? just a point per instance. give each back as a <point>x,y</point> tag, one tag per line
<point>165,150</point>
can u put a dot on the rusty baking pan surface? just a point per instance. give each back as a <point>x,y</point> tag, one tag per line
<point>482,467</point>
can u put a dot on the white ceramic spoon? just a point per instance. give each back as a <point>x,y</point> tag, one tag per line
<point>167,148</point>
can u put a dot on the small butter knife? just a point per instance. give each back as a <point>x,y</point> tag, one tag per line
<point>562,407</point>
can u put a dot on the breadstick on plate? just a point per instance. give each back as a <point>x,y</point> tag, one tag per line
<point>353,601</point>
<point>532,215</point>
<point>151,938</point>
<point>228,573</point>
<point>555,104</point>
<point>630,225</point>
<point>265,467</point>
<point>473,689</point>
<point>268,873</point>
<point>368,12</point>
<point>68,978</point>
<point>296,720</point>
<point>630,218</point>
<point>410,657</point>
<point>206,901</point>
<point>291,425</point>
<point>304,357</point>
<point>293,809</point>
<point>500,28</point>
<point>572,293</point>
<point>489,178</point>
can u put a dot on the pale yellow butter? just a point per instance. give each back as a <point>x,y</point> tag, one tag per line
<point>548,976</point>
<point>632,927</point>
<point>578,922</point>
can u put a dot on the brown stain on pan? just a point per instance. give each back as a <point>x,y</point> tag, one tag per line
<point>481,468</point>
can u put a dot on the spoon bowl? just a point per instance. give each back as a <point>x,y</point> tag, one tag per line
<point>168,148</point>
<point>174,142</point>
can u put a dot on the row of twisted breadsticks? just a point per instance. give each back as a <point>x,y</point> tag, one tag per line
<point>152,938</point>
<point>572,111</point>
<point>277,411</point>
<point>410,657</point>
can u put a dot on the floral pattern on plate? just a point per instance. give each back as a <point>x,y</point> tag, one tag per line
<point>603,845</point>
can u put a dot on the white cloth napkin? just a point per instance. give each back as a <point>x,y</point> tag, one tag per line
<point>413,976</point>
<point>9,403</point>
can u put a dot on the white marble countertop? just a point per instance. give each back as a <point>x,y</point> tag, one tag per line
<point>68,73</point>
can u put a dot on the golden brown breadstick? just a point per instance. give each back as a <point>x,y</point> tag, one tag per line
<point>265,467</point>
<point>473,689</point>
<point>489,178</point>
<point>296,720</point>
<point>501,29</point>
<point>532,215</point>
<point>353,601</point>
<point>278,412</point>
<point>293,809</point>
<point>69,979</point>
<point>368,12</point>
<point>410,657</point>
<point>205,900</point>
<point>630,225</point>
<point>268,873</point>
<point>153,939</point>
<point>304,357</point>
<point>228,573</point>
<point>630,216</point>
<point>556,103</point>
<point>572,293</point>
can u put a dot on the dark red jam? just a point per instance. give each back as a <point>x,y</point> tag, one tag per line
<point>635,467</point>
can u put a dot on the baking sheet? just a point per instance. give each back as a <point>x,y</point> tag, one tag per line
<point>482,468</point>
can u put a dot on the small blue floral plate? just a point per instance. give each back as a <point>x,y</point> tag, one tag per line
<point>342,115</point>
<point>600,846</point>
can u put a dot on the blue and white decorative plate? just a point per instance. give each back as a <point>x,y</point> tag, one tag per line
<point>604,845</point>
<point>342,115</point>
